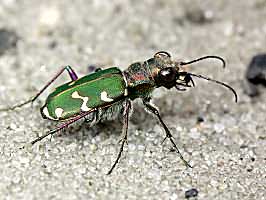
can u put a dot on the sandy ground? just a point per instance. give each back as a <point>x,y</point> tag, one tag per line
<point>227,150</point>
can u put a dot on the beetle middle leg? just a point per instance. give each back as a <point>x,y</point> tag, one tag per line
<point>124,134</point>
<point>72,75</point>
<point>155,111</point>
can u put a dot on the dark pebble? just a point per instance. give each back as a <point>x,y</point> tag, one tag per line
<point>191,193</point>
<point>256,74</point>
<point>249,170</point>
<point>200,119</point>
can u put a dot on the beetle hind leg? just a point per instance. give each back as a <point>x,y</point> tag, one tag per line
<point>59,128</point>
<point>72,75</point>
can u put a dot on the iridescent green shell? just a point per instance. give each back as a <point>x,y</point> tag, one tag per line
<point>92,91</point>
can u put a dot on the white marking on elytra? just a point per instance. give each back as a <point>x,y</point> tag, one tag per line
<point>58,112</point>
<point>84,106</point>
<point>105,98</point>
<point>46,113</point>
<point>126,92</point>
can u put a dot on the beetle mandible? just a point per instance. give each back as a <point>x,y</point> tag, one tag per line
<point>106,94</point>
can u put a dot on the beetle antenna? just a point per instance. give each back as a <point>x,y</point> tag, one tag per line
<point>215,81</point>
<point>203,58</point>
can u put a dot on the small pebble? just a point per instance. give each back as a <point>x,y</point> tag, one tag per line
<point>200,119</point>
<point>197,15</point>
<point>191,193</point>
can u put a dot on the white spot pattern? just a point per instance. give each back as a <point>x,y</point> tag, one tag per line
<point>126,92</point>
<point>105,98</point>
<point>58,112</point>
<point>84,106</point>
<point>46,113</point>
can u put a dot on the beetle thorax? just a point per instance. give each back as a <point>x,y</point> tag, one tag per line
<point>139,80</point>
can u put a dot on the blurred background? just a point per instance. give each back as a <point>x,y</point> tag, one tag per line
<point>224,141</point>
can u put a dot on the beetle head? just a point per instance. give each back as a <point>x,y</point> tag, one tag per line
<point>167,71</point>
<point>171,74</point>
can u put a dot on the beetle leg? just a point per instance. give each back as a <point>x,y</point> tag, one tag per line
<point>72,75</point>
<point>124,134</point>
<point>155,111</point>
<point>62,126</point>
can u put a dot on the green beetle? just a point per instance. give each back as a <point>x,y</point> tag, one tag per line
<point>107,94</point>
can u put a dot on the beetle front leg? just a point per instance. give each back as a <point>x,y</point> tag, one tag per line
<point>123,139</point>
<point>155,111</point>
<point>72,75</point>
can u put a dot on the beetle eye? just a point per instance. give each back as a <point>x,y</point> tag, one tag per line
<point>162,54</point>
<point>168,75</point>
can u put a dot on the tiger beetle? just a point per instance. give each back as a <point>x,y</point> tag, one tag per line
<point>107,94</point>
